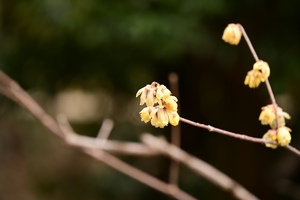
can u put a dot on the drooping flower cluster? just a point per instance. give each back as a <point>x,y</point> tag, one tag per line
<point>279,132</point>
<point>282,136</point>
<point>259,73</point>
<point>268,117</point>
<point>232,34</point>
<point>161,106</point>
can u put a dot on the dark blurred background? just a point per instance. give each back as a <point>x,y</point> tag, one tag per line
<point>87,59</point>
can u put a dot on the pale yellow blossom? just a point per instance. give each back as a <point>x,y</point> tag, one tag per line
<point>252,79</point>
<point>146,113</point>
<point>259,73</point>
<point>271,135</point>
<point>283,136</point>
<point>148,95</point>
<point>159,118</point>
<point>232,34</point>
<point>162,91</point>
<point>170,103</point>
<point>173,118</point>
<point>263,68</point>
<point>268,117</point>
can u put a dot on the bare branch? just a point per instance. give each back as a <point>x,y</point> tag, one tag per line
<point>105,130</point>
<point>237,135</point>
<point>130,148</point>
<point>24,99</point>
<point>138,174</point>
<point>199,166</point>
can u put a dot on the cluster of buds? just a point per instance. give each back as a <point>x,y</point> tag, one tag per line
<point>161,106</point>
<point>279,132</point>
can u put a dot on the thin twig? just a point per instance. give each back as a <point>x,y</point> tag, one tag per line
<point>238,135</point>
<point>128,148</point>
<point>175,132</point>
<point>273,100</point>
<point>199,166</point>
<point>228,133</point>
<point>269,88</point>
<point>293,149</point>
<point>249,43</point>
<point>105,130</point>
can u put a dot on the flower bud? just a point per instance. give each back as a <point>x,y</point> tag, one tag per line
<point>259,73</point>
<point>232,34</point>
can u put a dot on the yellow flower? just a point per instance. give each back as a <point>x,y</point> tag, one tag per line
<point>252,79</point>
<point>173,117</point>
<point>159,118</point>
<point>162,91</point>
<point>163,113</point>
<point>268,117</point>
<point>259,73</point>
<point>283,136</point>
<point>145,114</point>
<point>170,103</point>
<point>232,34</point>
<point>270,136</point>
<point>147,94</point>
<point>263,68</point>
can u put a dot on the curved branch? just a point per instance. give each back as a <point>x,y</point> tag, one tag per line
<point>237,135</point>
<point>199,166</point>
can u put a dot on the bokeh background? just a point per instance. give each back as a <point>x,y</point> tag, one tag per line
<point>87,59</point>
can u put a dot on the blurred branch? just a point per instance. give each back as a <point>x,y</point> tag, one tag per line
<point>237,135</point>
<point>137,174</point>
<point>13,91</point>
<point>199,166</point>
<point>130,148</point>
<point>105,130</point>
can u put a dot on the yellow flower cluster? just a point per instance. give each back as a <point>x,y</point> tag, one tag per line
<point>281,135</point>
<point>259,73</point>
<point>232,34</point>
<point>161,106</point>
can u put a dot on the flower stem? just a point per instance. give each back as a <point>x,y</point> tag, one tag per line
<point>269,88</point>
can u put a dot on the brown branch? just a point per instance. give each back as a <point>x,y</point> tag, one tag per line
<point>268,85</point>
<point>17,94</point>
<point>138,174</point>
<point>199,166</point>
<point>105,130</point>
<point>10,88</point>
<point>237,135</point>
<point>129,148</point>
